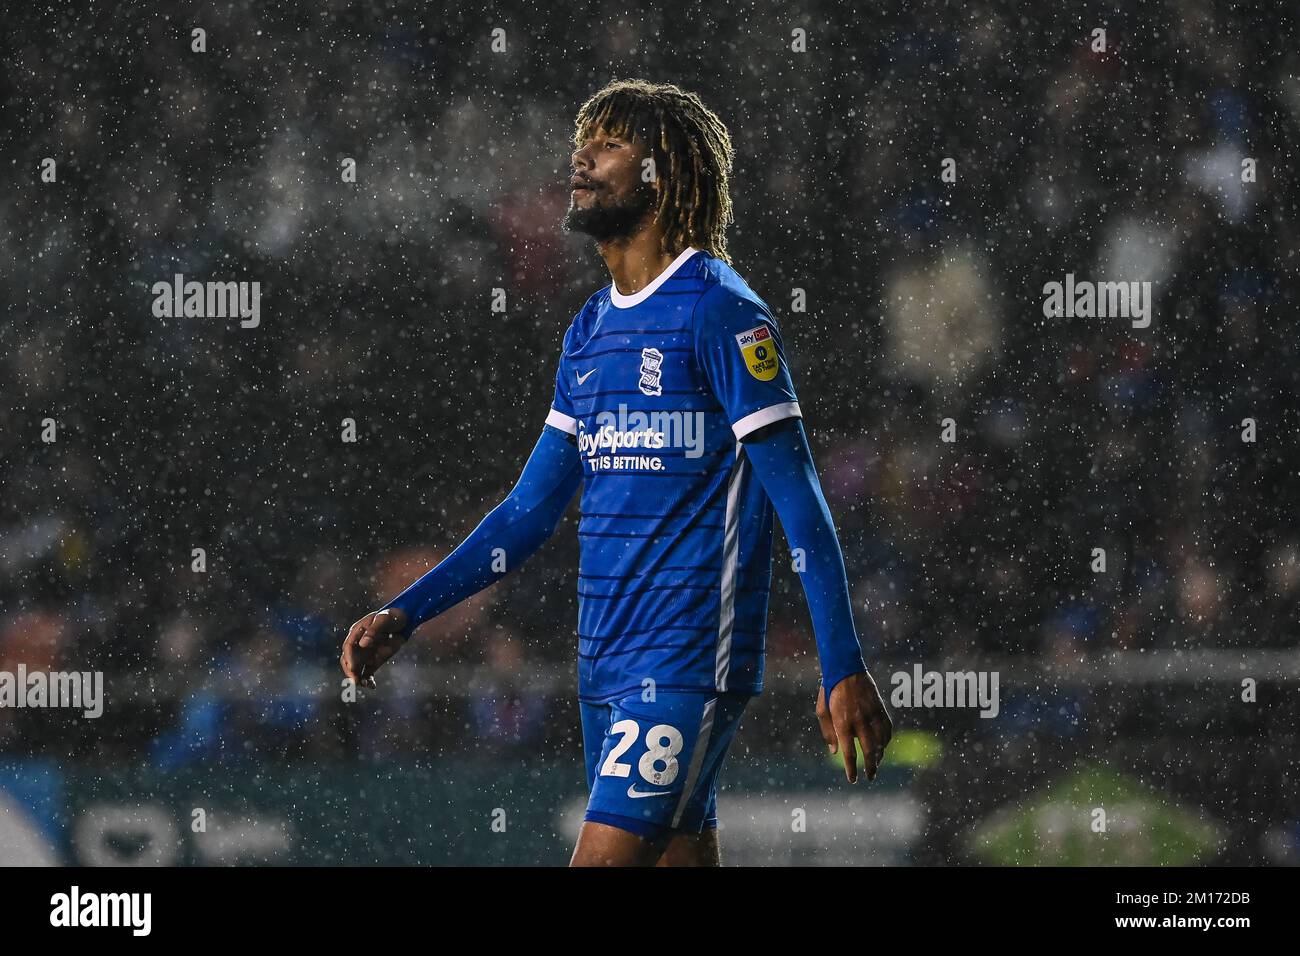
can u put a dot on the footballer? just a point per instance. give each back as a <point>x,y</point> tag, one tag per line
<point>675,413</point>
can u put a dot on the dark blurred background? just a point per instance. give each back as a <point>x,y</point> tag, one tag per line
<point>924,302</point>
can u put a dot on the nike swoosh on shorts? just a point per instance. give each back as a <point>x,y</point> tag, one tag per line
<point>633,792</point>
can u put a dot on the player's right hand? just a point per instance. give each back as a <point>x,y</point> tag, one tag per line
<point>370,643</point>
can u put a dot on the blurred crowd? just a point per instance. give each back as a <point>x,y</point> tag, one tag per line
<point>924,303</point>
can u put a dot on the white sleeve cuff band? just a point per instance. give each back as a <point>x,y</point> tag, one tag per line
<point>765,416</point>
<point>565,423</point>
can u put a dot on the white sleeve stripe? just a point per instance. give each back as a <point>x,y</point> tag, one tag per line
<point>765,416</point>
<point>565,423</point>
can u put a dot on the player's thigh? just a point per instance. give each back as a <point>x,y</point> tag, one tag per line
<point>692,849</point>
<point>600,844</point>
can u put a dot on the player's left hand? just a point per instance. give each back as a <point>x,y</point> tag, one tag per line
<point>856,713</point>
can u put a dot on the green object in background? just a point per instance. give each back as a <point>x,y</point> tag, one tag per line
<point>907,748</point>
<point>1060,826</point>
<point>914,748</point>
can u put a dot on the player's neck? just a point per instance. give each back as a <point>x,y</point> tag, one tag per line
<point>636,261</point>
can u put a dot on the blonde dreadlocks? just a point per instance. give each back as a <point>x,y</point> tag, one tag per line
<point>692,156</point>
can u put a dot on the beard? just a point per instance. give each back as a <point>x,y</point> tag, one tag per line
<point>609,221</point>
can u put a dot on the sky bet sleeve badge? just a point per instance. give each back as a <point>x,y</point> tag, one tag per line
<point>759,351</point>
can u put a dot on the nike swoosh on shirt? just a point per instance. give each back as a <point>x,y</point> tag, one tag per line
<point>583,378</point>
<point>633,792</point>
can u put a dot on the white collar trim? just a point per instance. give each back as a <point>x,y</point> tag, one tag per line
<point>627,301</point>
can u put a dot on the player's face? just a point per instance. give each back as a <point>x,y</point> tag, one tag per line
<point>608,200</point>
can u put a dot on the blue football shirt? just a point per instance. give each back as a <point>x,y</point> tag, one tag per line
<point>658,388</point>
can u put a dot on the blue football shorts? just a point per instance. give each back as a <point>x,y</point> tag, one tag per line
<point>653,765</point>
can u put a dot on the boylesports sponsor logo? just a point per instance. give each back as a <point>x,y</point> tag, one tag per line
<point>598,447</point>
<point>609,438</point>
<point>608,432</point>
